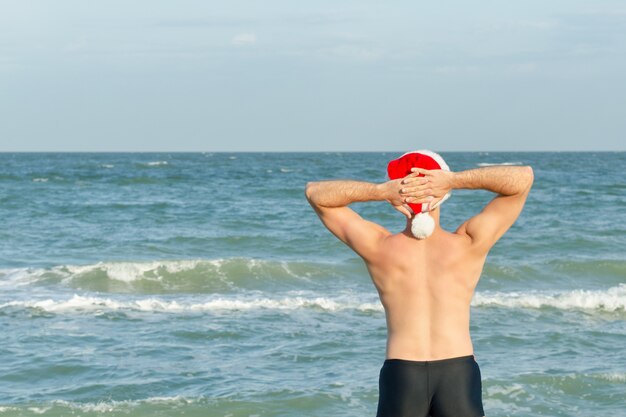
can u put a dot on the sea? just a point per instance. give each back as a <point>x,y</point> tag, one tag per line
<point>203,284</point>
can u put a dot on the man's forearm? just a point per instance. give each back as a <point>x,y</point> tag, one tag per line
<point>339,193</point>
<point>505,180</point>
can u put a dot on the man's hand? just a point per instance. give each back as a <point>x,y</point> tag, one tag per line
<point>393,193</point>
<point>429,188</point>
<point>390,191</point>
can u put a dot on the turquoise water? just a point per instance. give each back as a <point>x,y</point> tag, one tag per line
<point>199,284</point>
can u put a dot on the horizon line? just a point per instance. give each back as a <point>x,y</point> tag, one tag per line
<point>329,151</point>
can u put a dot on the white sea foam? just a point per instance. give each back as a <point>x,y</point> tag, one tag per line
<point>107,165</point>
<point>39,410</point>
<point>499,407</point>
<point>78,304</point>
<point>131,271</point>
<point>511,391</point>
<point>112,406</point>
<point>611,299</point>
<point>120,271</point>
<point>19,276</point>
<point>40,179</point>
<point>612,377</point>
<point>156,163</point>
<point>490,164</point>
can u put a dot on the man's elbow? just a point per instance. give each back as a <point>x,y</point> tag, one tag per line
<point>309,190</point>
<point>528,177</point>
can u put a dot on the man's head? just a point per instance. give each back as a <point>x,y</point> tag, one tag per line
<point>422,224</point>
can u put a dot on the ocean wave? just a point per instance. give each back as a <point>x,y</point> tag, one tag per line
<point>612,299</point>
<point>491,164</point>
<point>587,269</point>
<point>155,163</point>
<point>611,377</point>
<point>512,391</point>
<point>151,404</point>
<point>214,275</point>
<point>81,304</point>
<point>195,276</point>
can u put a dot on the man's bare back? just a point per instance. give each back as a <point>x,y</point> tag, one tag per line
<point>425,286</point>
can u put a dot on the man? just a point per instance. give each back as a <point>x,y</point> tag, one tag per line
<point>426,285</point>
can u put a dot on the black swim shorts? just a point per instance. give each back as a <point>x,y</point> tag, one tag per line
<point>441,388</point>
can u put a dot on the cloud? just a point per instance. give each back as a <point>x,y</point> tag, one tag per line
<point>243,39</point>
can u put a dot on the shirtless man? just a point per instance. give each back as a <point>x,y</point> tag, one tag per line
<point>426,286</point>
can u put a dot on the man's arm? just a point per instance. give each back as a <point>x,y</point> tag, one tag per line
<point>330,199</point>
<point>511,183</point>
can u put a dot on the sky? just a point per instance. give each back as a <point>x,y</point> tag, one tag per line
<point>278,75</point>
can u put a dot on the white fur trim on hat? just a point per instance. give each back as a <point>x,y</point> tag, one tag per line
<point>433,155</point>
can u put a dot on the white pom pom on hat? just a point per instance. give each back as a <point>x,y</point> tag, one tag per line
<point>422,225</point>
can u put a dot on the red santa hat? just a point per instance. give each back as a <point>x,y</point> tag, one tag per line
<point>422,224</point>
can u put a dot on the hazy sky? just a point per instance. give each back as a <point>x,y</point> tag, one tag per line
<point>361,75</point>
